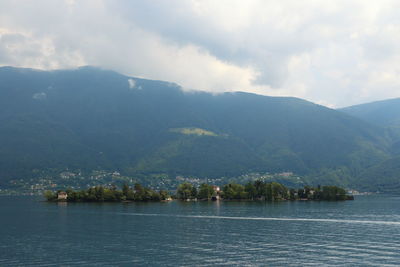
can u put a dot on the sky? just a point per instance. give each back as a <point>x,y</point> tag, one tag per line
<point>334,53</point>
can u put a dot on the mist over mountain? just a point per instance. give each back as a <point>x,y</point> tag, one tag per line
<point>90,118</point>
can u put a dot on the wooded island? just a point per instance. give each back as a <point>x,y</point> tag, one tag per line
<point>252,191</point>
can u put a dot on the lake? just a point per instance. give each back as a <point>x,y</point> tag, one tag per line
<point>363,232</point>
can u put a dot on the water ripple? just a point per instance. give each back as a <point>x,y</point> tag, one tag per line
<point>267,218</point>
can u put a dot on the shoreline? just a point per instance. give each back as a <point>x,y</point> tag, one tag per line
<point>351,198</point>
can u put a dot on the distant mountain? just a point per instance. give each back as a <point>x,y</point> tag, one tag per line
<point>385,113</point>
<point>90,118</point>
<point>384,176</point>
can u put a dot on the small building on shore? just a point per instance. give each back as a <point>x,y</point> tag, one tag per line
<point>62,195</point>
<point>216,188</point>
<point>216,195</point>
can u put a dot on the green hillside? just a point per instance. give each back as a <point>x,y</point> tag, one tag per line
<point>384,176</point>
<point>92,119</point>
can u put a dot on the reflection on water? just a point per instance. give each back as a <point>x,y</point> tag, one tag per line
<point>62,204</point>
<point>364,232</point>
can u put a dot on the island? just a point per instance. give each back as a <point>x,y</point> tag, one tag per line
<point>109,194</point>
<point>252,191</point>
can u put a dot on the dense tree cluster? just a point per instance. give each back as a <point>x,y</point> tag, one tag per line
<point>186,191</point>
<point>259,190</point>
<point>318,193</point>
<point>111,194</point>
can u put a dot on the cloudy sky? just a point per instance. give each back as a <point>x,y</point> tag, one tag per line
<point>335,53</point>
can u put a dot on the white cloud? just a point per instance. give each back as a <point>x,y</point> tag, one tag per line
<point>331,52</point>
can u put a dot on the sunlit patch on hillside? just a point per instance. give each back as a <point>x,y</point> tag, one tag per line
<point>193,131</point>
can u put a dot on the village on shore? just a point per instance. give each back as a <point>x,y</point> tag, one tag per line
<point>252,191</point>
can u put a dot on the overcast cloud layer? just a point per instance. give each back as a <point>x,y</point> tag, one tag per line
<point>335,53</point>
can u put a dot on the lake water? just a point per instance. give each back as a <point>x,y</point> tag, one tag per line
<point>364,232</point>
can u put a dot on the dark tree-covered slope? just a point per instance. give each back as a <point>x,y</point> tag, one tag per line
<point>383,176</point>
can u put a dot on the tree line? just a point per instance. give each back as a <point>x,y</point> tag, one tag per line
<point>257,190</point>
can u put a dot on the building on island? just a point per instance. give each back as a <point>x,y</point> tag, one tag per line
<point>216,194</point>
<point>62,195</point>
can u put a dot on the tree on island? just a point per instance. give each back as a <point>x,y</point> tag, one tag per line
<point>234,191</point>
<point>251,190</point>
<point>206,191</point>
<point>333,193</point>
<point>186,191</point>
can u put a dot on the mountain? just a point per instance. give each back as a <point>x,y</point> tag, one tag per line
<point>385,113</point>
<point>89,119</point>
<point>384,176</point>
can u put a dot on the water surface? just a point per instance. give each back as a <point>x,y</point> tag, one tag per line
<point>364,232</point>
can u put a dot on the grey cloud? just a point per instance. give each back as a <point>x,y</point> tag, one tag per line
<point>261,45</point>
